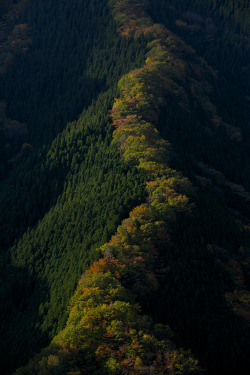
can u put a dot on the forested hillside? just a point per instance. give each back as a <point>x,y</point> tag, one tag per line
<point>125,159</point>
<point>219,31</point>
<point>67,193</point>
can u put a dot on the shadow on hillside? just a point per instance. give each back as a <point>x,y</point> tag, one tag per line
<point>33,185</point>
<point>192,301</point>
<point>20,333</point>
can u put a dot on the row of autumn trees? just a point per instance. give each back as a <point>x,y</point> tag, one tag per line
<point>106,332</point>
<point>173,73</point>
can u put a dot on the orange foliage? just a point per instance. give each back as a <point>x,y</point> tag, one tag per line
<point>107,264</point>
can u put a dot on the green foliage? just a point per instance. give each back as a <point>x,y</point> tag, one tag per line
<point>180,87</point>
<point>63,199</point>
<point>97,191</point>
<point>106,334</point>
<point>181,257</point>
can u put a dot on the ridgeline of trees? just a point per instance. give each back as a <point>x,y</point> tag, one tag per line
<point>182,257</point>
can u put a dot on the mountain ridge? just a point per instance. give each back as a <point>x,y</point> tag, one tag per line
<point>135,112</point>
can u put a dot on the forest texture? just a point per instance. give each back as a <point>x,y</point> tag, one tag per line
<point>180,251</point>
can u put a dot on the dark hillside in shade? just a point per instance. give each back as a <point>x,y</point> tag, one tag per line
<point>219,32</point>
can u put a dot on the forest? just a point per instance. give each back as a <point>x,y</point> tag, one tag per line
<point>124,187</point>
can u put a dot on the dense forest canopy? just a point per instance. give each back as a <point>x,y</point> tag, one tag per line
<point>124,135</point>
<point>76,180</point>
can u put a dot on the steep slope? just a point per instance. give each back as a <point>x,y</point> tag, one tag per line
<point>188,88</point>
<point>70,193</point>
<point>219,32</point>
<point>183,252</point>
